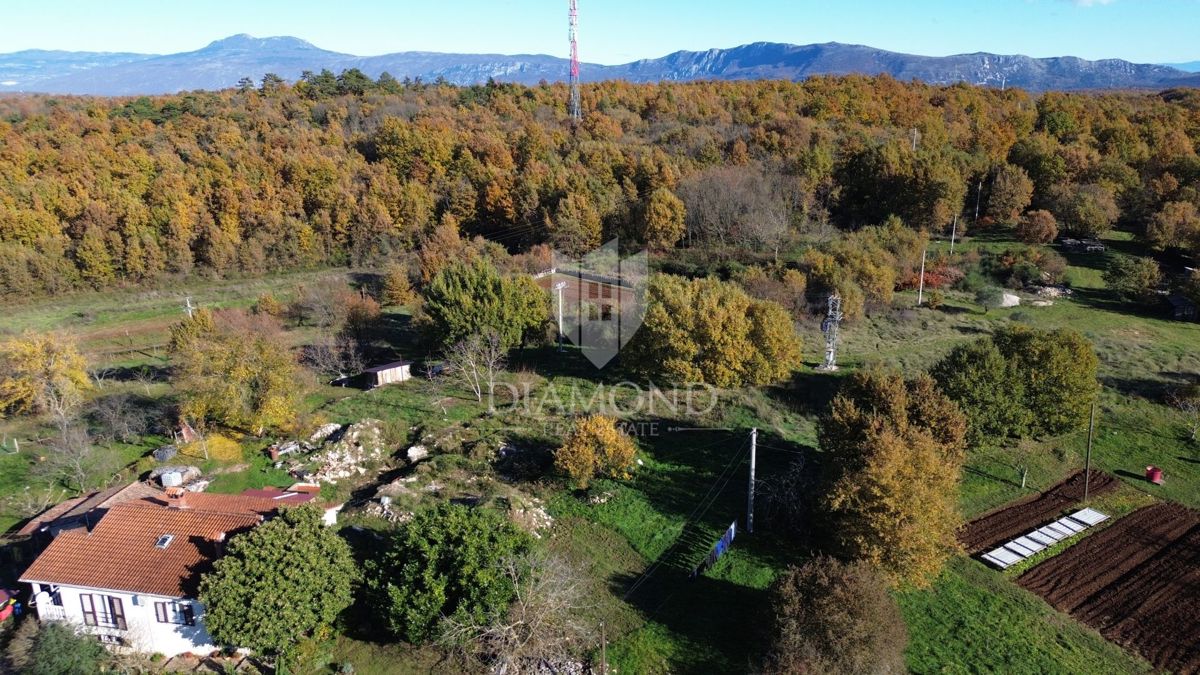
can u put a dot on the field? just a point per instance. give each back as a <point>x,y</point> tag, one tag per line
<point>641,537</point>
<point>1137,582</point>
<point>1012,521</point>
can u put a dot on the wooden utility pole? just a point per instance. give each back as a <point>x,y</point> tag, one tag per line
<point>750,487</point>
<point>921,283</point>
<point>1087,462</point>
<point>953,231</point>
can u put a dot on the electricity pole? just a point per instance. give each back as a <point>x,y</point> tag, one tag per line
<point>953,231</point>
<point>1087,463</point>
<point>559,287</point>
<point>750,489</point>
<point>188,307</point>
<point>978,193</point>
<point>921,283</point>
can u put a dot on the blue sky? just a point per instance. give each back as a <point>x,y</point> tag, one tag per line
<point>615,31</point>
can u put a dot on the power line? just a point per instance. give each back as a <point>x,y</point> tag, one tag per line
<point>693,517</point>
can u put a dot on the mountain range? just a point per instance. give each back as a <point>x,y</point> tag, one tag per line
<point>222,63</point>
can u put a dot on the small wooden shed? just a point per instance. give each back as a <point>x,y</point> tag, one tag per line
<point>396,371</point>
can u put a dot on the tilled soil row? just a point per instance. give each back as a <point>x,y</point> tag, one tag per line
<point>1137,582</point>
<point>1070,579</point>
<point>1010,522</point>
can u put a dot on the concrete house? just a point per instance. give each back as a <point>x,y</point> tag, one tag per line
<point>132,578</point>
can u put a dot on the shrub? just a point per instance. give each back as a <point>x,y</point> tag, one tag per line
<point>833,617</point>
<point>1037,227</point>
<point>989,297</point>
<point>595,447</point>
<point>59,649</point>
<point>1133,278</point>
<point>445,562</point>
<point>936,299</point>
<point>268,304</point>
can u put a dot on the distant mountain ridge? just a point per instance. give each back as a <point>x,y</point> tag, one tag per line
<point>222,63</point>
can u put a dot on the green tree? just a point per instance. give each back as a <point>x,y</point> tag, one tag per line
<point>278,583</point>
<point>894,463</point>
<point>595,447</point>
<point>1058,369</point>
<point>834,618</point>
<point>446,561</point>
<point>575,228</point>
<point>708,330</point>
<point>1133,278</point>
<point>987,387</point>
<point>989,298</point>
<point>467,298</point>
<point>1086,210</point>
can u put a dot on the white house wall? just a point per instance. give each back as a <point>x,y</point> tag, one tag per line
<point>144,632</point>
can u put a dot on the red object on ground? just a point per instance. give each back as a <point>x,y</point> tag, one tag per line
<point>1154,475</point>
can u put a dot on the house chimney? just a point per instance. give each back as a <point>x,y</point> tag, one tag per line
<point>176,497</point>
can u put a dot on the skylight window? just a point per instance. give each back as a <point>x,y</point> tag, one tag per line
<point>164,541</point>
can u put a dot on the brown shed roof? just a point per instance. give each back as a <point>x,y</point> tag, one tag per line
<point>120,552</point>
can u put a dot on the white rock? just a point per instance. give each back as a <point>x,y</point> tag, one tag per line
<point>416,453</point>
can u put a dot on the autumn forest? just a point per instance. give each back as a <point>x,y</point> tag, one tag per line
<point>336,171</point>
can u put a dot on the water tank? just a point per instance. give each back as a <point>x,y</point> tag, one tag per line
<point>171,479</point>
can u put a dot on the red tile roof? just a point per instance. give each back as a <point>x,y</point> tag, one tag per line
<point>120,553</point>
<point>50,515</point>
<point>221,503</point>
<point>83,504</point>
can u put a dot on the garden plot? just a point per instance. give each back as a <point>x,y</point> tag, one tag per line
<point>1137,582</point>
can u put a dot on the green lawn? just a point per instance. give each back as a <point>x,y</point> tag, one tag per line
<point>974,620</point>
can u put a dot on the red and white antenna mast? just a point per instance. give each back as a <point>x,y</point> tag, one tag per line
<point>573,14</point>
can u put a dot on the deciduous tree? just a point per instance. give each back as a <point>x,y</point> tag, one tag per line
<point>42,373</point>
<point>1133,278</point>
<point>893,472</point>
<point>1037,227</point>
<point>833,617</point>
<point>241,374</point>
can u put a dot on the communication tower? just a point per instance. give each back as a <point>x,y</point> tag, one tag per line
<point>829,326</point>
<point>573,33</point>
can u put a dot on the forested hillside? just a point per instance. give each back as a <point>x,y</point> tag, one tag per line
<point>344,170</point>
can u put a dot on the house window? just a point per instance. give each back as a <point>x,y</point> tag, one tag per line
<point>593,290</point>
<point>606,291</point>
<point>107,639</point>
<point>102,610</point>
<point>606,312</point>
<point>180,613</point>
